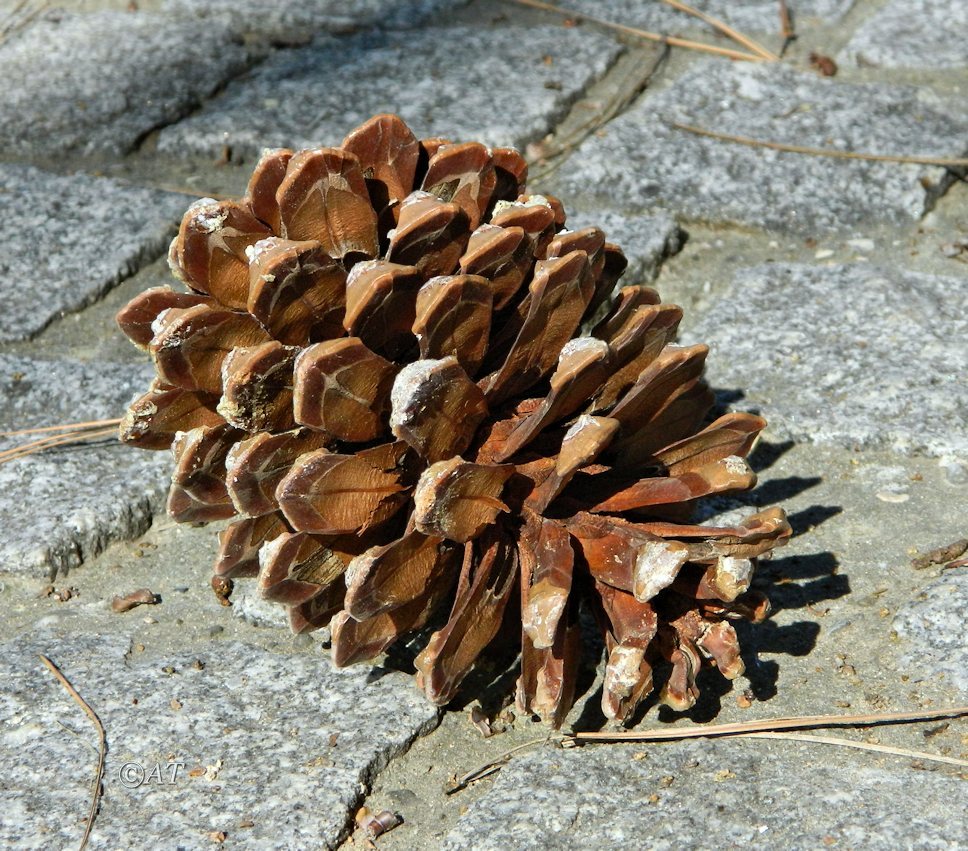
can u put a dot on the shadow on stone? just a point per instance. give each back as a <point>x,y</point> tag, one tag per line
<point>780,581</point>
<point>591,718</point>
<point>766,454</point>
<point>777,491</point>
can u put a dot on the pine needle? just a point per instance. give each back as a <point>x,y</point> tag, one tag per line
<point>764,729</point>
<point>65,427</point>
<point>102,751</point>
<point>494,765</point>
<point>786,23</point>
<point>768,725</point>
<point>10,25</point>
<point>942,162</point>
<point>672,41</point>
<point>43,443</point>
<point>864,746</point>
<point>726,30</point>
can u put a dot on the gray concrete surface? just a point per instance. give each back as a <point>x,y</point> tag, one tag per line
<point>63,506</point>
<point>68,239</point>
<point>830,294</point>
<point>169,737</point>
<point>615,797</point>
<point>508,86</point>
<point>643,162</point>
<point>854,355</point>
<point>295,23</point>
<point>912,34</point>
<point>112,78</point>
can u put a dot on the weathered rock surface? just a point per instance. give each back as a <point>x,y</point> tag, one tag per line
<point>112,78</point>
<point>315,95</point>
<point>62,506</point>
<point>741,793</point>
<point>854,355</point>
<point>933,626</point>
<point>69,239</point>
<point>270,748</point>
<point>641,162</point>
<point>268,20</point>
<point>912,34</point>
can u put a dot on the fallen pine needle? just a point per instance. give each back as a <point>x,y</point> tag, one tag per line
<point>848,743</point>
<point>769,725</point>
<point>102,740</point>
<point>786,23</point>
<point>726,30</point>
<point>43,443</point>
<point>672,41</point>
<point>10,25</point>
<point>943,162</point>
<point>489,768</point>
<point>66,427</point>
<point>768,728</point>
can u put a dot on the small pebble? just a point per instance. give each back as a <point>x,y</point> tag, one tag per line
<point>955,472</point>
<point>893,496</point>
<point>823,254</point>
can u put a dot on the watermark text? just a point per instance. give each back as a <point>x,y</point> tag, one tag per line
<point>134,774</point>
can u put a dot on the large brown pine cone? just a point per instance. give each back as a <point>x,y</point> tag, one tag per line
<point>380,371</point>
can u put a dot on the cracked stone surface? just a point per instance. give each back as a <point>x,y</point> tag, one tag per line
<point>912,34</point>
<point>220,723</point>
<point>853,355</point>
<point>62,507</point>
<point>315,95</point>
<point>268,20</point>
<point>90,95</point>
<point>69,239</point>
<point>751,15</point>
<point>614,796</point>
<point>712,180</point>
<point>933,625</point>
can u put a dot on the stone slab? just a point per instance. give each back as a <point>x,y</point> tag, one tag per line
<point>714,794</point>
<point>273,749</point>
<point>853,355</point>
<point>69,238</point>
<point>923,34</point>
<point>493,85</point>
<point>642,163</point>
<point>61,507</point>
<point>933,626</point>
<point>287,23</point>
<point>760,16</point>
<point>113,77</point>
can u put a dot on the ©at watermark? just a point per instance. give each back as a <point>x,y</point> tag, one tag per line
<point>134,774</point>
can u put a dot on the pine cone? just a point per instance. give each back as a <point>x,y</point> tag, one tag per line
<point>389,389</point>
